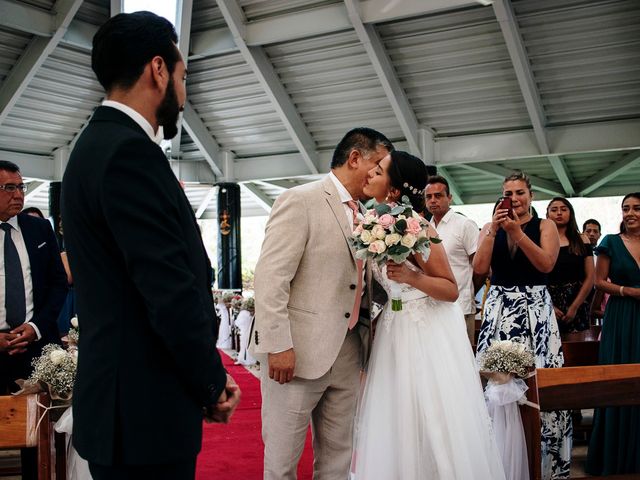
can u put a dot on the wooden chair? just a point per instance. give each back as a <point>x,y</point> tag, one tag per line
<point>19,416</point>
<point>575,388</point>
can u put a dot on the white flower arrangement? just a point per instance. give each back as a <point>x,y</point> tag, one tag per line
<point>73,336</point>
<point>54,371</point>
<point>509,357</point>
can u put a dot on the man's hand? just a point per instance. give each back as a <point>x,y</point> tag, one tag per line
<point>24,335</point>
<point>228,400</point>
<point>5,340</point>
<point>281,366</point>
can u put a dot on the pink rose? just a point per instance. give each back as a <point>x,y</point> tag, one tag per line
<point>413,226</point>
<point>358,229</point>
<point>386,220</point>
<point>377,247</point>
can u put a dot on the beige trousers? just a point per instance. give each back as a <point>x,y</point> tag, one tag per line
<point>470,320</point>
<point>328,402</point>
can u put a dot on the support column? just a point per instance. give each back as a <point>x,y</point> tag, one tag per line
<point>229,273</point>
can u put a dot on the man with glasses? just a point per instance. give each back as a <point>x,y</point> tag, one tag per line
<point>33,288</point>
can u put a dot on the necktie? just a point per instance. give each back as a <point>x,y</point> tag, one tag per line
<point>355,313</point>
<point>14,299</point>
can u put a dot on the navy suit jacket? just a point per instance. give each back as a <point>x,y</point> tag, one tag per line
<point>47,275</point>
<point>147,362</point>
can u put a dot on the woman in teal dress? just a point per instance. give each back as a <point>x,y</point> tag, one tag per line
<point>615,440</point>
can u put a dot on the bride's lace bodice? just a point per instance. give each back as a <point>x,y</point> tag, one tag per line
<point>415,304</point>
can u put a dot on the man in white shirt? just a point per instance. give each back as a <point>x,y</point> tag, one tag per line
<point>460,238</point>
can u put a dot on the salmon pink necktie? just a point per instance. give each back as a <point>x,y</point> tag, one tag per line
<point>355,313</point>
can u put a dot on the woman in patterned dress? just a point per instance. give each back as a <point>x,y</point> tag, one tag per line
<point>520,250</point>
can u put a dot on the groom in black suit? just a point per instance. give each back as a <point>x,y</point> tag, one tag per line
<point>148,368</point>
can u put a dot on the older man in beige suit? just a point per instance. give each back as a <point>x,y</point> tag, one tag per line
<point>308,291</point>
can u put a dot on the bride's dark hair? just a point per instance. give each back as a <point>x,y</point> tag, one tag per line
<point>409,175</point>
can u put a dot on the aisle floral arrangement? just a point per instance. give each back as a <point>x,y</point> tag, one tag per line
<point>506,363</point>
<point>392,232</point>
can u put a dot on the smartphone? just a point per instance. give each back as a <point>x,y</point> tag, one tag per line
<point>505,204</point>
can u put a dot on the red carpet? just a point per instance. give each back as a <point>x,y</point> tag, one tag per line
<point>237,448</point>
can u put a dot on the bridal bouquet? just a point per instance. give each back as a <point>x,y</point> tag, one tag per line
<point>392,232</point>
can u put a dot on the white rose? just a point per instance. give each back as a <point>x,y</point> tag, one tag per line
<point>422,233</point>
<point>392,239</point>
<point>57,356</point>
<point>378,232</point>
<point>369,219</point>
<point>409,240</point>
<point>74,322</point>
<point>366,237</point>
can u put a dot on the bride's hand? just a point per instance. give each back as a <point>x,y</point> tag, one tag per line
<point>400,273</point>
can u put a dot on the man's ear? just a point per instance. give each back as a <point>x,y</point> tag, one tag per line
<point>159,72</point>
<point>354,158</point>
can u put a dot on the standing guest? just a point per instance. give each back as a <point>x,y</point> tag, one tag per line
<point>244,321</point>
<point>459,236</point>
<point>592,229</point>
<point>521,250</point>
<point>308,295</point>
<point>32,290</point>
<point>571,280</point>
<point>615,439</point>
<point>148,369</point>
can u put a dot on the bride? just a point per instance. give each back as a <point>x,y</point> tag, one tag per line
<point>422,415</point>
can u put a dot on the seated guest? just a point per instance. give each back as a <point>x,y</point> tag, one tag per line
<point>571,280</point>
<point>592,230</point>
<point>615,439</point>
<point>32,292</point>
<point>34,212</point>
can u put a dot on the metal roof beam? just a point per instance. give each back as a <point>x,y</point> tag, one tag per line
<point>184,10</point>
<point>26,18</point>
<point>386,73</point>
<point>565,140</point>
<point>205,202</point>
<point>509,25</point>
<point>34,56</point>
<point>561,171</point>
<point>33,166</point>
<point>34,192</point>
<point>259,196</point>
<point>203,139</point>
<point>261,66</point>
<point>318,21</point>
<point>612,171</point>
<point>500,172</point>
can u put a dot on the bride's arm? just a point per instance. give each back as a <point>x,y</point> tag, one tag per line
<point>436,278</point>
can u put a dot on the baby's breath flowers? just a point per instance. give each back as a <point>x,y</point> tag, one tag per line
<point>55,371</point>
<point>506,356</point>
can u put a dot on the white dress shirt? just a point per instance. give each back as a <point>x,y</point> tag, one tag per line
<point>16,236</point>
<point>345,197</point>
<point>459,236</point>
<point>155,137</point>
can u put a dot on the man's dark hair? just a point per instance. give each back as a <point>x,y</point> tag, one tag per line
<point>9,166</point>
<point>362,139</point>
<point>127,42</point>
<point>439,179</point>
<point>592,221</point>
<point>32,210</point>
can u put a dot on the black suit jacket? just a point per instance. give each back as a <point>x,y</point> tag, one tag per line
<point>147,358</point>
<point>47,275</point>
<point>49,292</point>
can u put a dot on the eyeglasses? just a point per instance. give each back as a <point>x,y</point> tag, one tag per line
<point>12,187</point>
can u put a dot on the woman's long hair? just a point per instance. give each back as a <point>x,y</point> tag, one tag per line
<point>623,229</point>
<point>576,242</point>
<point>409,175</point>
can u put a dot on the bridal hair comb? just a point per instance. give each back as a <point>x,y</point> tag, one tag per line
<point>413,190</point>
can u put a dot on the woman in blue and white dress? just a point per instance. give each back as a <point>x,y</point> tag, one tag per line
<point>422,415</point>
<point>520,250</point>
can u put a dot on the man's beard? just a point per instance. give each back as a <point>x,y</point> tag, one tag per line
<point>168,111</point>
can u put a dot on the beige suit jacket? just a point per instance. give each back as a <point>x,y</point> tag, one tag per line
<point>305,279</point>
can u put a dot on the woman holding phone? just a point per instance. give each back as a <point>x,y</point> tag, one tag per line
<point>520,250</point>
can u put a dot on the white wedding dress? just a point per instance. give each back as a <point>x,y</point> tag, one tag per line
<point>422,414</point>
